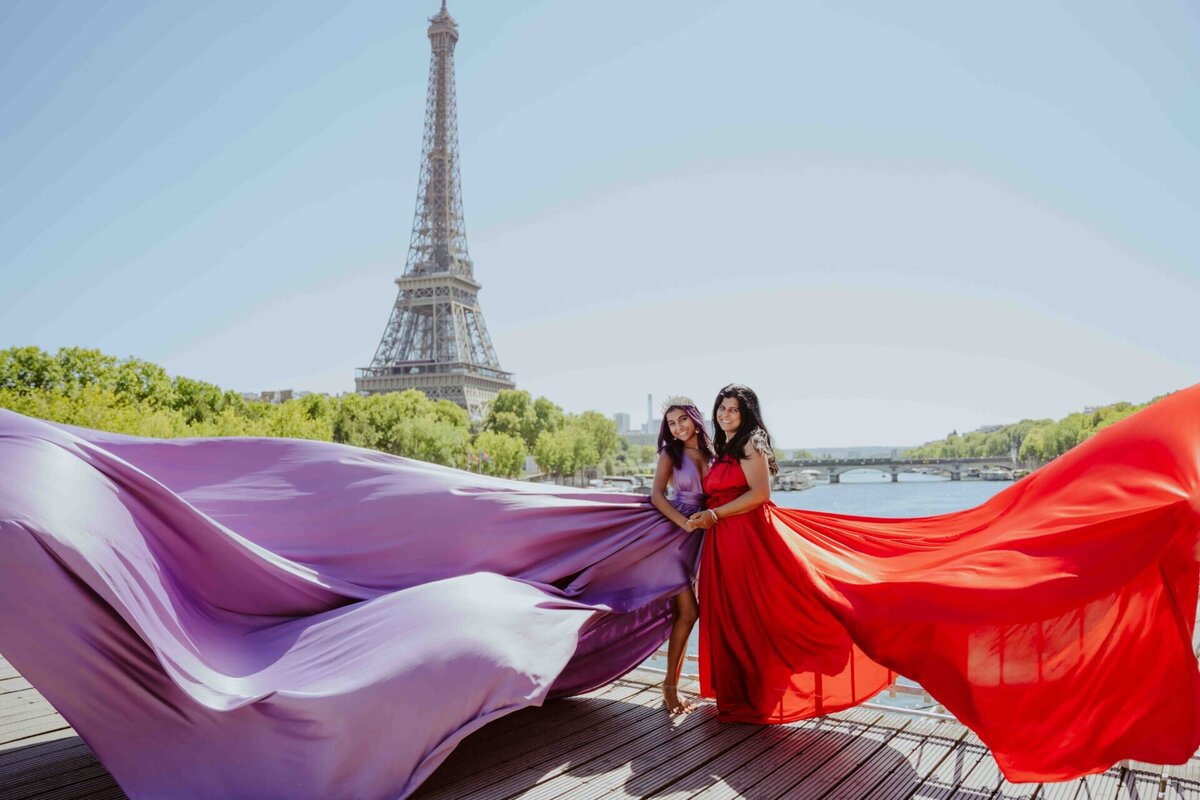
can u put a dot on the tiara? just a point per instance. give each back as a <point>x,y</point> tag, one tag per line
<point>676,400</point>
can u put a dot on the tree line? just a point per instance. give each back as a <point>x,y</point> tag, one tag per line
<point>1036,440</point>
<point>86,387</point>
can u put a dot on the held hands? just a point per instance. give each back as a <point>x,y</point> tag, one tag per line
<point>701,520</point>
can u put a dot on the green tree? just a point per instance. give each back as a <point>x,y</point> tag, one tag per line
<point>555,453</point>
<point>138,381</point>
<point>1036,445</point>
<point>516,413</point>
<point>80,367</point>
<point>500,454</point>
<point>404,423</point>
<point>1034,439</point>
<point>227,421</point>
<point>428,438</point>
<point>449,413</point>
<point>1115,413</point>
<point>576,445</point>
<point>319,407</point>
<point>585,449</point>
<point>601,430</point>
<point>196,400</point>
<point>292,419</point>
<point>353,423</point>
<point>28,369</point>
<point>645,456</point>
<point>549,416</point>
<point>369,421</point>
<point>512,413</point>
<point>95,407</point>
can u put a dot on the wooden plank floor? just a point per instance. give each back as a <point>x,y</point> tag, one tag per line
<point>618,743</point>
<point>40,755</point>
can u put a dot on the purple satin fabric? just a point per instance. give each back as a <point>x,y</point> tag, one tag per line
<point>689,488</point>
<point>246,617</point>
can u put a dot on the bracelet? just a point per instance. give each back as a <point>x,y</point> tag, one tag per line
<point>716,519</point>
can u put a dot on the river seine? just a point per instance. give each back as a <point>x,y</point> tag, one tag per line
<point>871,494</point>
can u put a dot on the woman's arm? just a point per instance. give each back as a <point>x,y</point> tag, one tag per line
<point>758,476</point>
<point>658,492</point>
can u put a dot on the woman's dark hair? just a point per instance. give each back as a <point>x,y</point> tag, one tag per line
<point>673,447</point>
<point>751,432</point>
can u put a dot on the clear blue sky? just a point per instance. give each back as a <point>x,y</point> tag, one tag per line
<point>892,219</point>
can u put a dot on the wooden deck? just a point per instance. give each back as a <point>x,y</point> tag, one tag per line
<point>618,743</point>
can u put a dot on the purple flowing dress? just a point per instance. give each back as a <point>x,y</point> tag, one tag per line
<point>689,488</point>
<point>247,617</point>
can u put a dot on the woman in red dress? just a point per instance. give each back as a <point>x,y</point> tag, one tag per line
<point>757,653</point>
<point>1055,620</point>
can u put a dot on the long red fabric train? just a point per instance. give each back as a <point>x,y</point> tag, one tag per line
<point>1055,620</point>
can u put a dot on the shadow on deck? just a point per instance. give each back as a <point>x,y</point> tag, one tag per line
<point>617,742</point>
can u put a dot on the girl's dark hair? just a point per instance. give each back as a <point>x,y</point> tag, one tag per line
<point>673,447</point>
<point>751,432</point>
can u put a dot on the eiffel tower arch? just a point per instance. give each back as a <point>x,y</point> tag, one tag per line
<point>436,339</point>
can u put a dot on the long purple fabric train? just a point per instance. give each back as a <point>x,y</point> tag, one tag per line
<point>280,618</point>
<point>284,618</point>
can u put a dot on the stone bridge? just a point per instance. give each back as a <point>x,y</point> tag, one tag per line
<point>954,467</point>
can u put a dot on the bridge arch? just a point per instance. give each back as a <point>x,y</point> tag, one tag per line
<point>954,467</point>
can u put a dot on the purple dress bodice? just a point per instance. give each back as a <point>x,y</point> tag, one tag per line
<point>689,488</point>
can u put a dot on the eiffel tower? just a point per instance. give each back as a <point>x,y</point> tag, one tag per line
<point>435,339</point>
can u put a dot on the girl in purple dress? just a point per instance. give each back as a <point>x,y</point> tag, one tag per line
<point>684,453</point>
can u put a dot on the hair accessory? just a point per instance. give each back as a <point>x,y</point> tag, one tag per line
<point>676,400</point>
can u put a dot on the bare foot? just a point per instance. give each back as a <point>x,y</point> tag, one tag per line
<point>674,703</point>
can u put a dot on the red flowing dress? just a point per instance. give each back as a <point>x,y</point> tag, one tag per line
<point>1055,620</point>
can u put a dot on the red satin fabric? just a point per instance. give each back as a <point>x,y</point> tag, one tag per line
<point>1055,620</point>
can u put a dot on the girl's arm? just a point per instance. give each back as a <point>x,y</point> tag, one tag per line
<point>658,492</point>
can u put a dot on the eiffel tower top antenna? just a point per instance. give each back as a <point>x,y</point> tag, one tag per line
<point>439,237</point>
<point>436,339</point>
